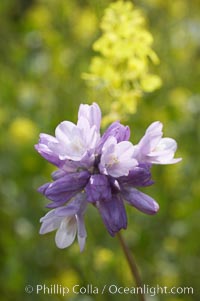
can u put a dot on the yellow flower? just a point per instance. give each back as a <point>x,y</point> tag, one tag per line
<point>121,67</point>
<point>22,131</point>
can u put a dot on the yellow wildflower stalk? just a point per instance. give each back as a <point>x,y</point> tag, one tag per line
<point>120,71</point>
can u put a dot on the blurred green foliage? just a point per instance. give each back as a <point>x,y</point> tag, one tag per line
<point>45,47</point>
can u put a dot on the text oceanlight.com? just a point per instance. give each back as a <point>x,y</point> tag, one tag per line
<point>113,289</point>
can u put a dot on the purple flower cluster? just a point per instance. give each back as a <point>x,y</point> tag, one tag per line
<point>102,170</point>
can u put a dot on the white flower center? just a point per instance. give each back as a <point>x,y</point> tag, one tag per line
<point>113,159</point>
<point>77,145</point>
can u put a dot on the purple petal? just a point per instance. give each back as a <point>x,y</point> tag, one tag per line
<point>66,233</point>
<point>43,149</point>
<point>117,130</point>
<point>58,174</point>
<point>82,234</point>
<point>139,176</point>
<point>68,210</point>
<point>62,200</point>
<point>50,222</point>
<point>98,188</point>
<point>92,113</point>
<point>70,142</point>
<point>43,188</point>
<point>113,214</point>
<point>69,182</point>
<point>164,152</point>
<point>63,189</point>
<point>151,138</point>
<point>76,206</point>
<point>87,161</point>
<point>70,166</point>
<point>154,149</point>
<point>140,200</point>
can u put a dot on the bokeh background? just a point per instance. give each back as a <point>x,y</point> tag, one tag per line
<point>45,46</point>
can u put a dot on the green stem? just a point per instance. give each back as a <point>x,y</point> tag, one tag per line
<point>132,264</point>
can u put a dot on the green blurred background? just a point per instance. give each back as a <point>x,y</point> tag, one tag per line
<point>45,46</point>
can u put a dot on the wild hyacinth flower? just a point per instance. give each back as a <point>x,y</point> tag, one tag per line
<point>103,171</point>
